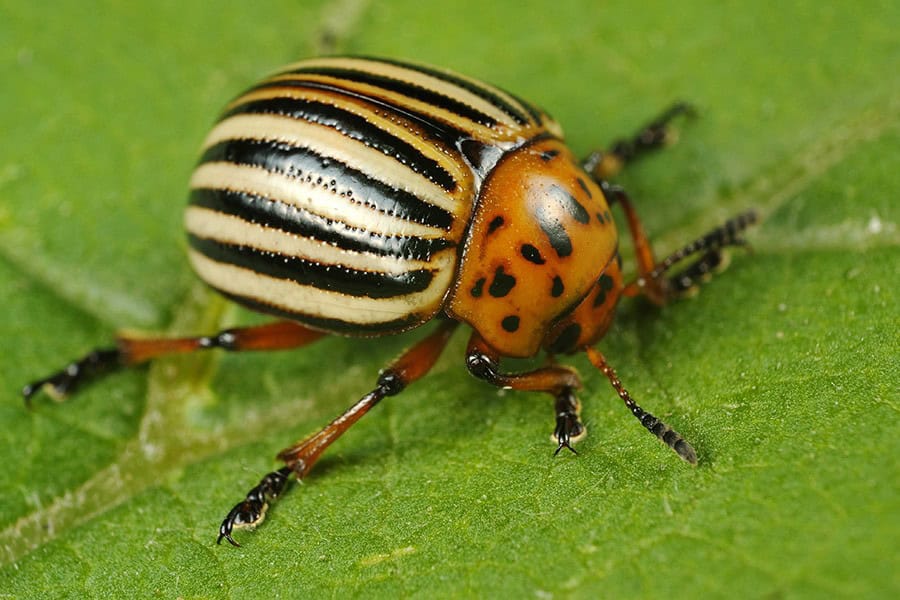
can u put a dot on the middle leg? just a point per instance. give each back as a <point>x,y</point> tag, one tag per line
<point>300,458</point>
<point>561,382</point>
<point>603,164</point>
<point>651,280</point>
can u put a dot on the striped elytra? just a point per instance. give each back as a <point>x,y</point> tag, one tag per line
<point>366,197</point>
<point>336,191</point>
<point>343,193</point>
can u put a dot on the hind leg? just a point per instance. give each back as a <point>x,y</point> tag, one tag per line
<point>131,350</point>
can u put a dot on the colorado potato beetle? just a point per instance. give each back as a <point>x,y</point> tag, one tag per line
<point>366,197</point>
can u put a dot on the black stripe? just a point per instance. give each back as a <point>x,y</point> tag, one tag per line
<point>410,90</point>
<point>332,277</point>
<point>302,163</point>
<point>291,219</point>
<point>429,128</point>
<point>536,115</point>
<point>332,325</point>
<point>354,127</point>
<point>479,89</point>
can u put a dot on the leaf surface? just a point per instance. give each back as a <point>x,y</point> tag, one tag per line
<point>782,372</point>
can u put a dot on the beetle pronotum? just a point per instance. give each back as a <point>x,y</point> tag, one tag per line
<point>366,197</point>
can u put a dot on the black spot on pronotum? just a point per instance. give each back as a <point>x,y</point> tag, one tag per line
<point>495,224</point>
<point>532,254</point>
<point>558,288</point>
<point>548,155</point>
<point>502,283</point>
<point>556,234</point>
<point>570,204</point>
<point>567,339</point>
<point>510,323</point>
<point>584,187</point>
<point>478,288</point>
<point>599,299</point>
<point>600,218</point>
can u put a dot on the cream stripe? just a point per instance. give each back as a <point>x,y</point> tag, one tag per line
<point>508,98</point>
<point>210,224</point>
<point>418,78</point>
<point>334,144</point>
<point>399,102</point>
<point>314,302</point>
<point>299,193</point>
<point>428,148</point>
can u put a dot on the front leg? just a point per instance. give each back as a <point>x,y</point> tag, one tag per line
<point>561,382</point>
<point>603,164</point>
<point>569,428</point>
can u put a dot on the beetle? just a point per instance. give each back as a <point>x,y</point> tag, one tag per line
<point>367,197</point>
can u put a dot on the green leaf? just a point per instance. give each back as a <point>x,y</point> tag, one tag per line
<point>782,372</point>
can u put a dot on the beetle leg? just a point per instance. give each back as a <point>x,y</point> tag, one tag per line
<point>710,245</point>
<point>300,458</point>
<point>131,350</point>
<point>651,281</point>
<point>252,510</point>
<point>484,362</point>
<point>569,428</point>
<point>643,252</point>
<point>603,164</point>
<point>660,288</point>
<point>665,433</point>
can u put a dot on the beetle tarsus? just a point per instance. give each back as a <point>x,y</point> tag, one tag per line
<point>62,383</point>
<point>564,442</point>
<point>251,511</point>
<point>712,258</point>
<point>603,164</point>
<point>654,135</point>
<point>569,428</point>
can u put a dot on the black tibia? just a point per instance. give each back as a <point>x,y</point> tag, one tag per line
<point>710,245</point>
<point>568,424</point>
<point>252,510</point>
<point>655,134</point>
<point>64,382</point>
<point>669,436</point>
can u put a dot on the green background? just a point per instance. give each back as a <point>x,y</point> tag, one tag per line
<point>782,372</point>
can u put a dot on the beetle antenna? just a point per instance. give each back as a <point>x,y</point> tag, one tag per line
<point>665,433</point>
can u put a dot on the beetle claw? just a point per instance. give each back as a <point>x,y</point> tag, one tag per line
<point>245,514</point>
<point>251,511</point>
<point>564,444</point>
<point>568,430</point>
